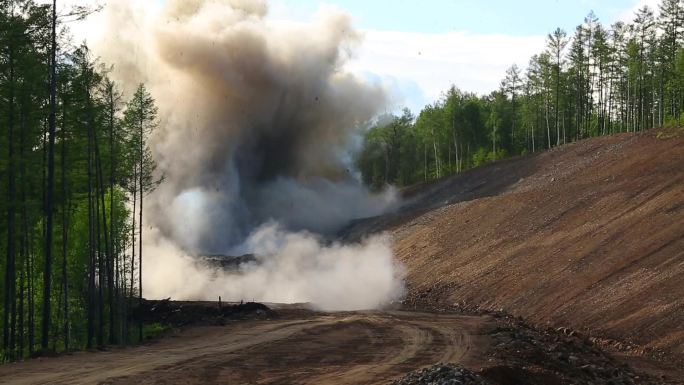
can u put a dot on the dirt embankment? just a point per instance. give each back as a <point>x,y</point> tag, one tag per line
<point>589,235</point>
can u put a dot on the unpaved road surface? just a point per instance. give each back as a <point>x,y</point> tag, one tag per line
<point>339,348</point>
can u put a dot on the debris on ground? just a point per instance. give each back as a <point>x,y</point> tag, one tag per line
<point>442,374</point>
<point>226,262</point>
<point>180,313</point>
<point>567,354</point>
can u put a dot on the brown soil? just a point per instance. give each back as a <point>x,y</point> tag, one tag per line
<point>309,348</point>
<point>589,236</point>
<point>299,346</point>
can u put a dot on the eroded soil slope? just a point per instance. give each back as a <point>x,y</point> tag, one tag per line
<point>589,235</point>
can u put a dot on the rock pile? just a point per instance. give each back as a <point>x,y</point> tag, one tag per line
<point>180,314</point>
<point>441,374</point>
<point>564,353</point>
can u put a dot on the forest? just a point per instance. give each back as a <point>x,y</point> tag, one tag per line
<point>627,77</point>
<point>75,168</point>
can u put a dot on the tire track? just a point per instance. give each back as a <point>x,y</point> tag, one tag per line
<point>337,348</point>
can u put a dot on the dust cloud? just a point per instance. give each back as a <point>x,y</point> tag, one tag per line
<point>290,268</point>
<point>257,121</point>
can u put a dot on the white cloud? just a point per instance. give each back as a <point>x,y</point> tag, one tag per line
<point>627,15</point>
<point>415,67</point>
<point>433,62</point>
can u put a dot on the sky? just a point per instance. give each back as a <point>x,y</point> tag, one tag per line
<point>527,17</point>
<point>417,49</point>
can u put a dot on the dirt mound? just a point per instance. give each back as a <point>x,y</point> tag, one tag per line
<point>589,236</point>
<point>180,313</point>
<point>546,357</point>
<point>226,262</point>
<point>441,374</point>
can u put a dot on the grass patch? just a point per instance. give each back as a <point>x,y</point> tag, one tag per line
<point>670,133</point>
<point>154,330</point>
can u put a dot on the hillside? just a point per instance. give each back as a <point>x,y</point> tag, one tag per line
<point>589,236</point>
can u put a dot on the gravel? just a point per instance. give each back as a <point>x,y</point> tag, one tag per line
<point>441,374</point>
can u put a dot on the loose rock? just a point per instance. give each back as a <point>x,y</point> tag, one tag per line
<point>442,374</point>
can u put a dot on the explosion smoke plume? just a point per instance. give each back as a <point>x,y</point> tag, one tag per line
<point>256,121</point>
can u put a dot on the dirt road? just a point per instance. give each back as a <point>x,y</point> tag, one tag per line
<point>339,348</point>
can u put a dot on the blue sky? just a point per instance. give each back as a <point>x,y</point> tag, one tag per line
<point>530,17</point>
<point>417,49</point>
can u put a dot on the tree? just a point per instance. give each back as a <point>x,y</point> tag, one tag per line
<point>112,98</point>
<point>671,23</point>
<point>47,274</point>
<point>601,58</point>
<point>644,25</point>
<point>511,86</point>
<point>80,197</point>
<point>556,42</point>
<point>9,287</point>
<point>141,119</point>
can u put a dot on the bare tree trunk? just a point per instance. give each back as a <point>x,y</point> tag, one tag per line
<point>23,241</point>
<point>557,96</point>
<point>108,253</point>
<point>100,259</point>
<point>29,275</point>
<point>548,127</point>
<point>65,208</point>
<point>453,133</point>
<point>113,256</point>
<point>628,106</point>
<point>22,274</point>
<point>140,214</point>
<point>534,125</point>
<point>47,274</point>
<point>135,200</point>
<point>563,126</point>
<point>91,247</point>
<point>425,173</point>
<point>434,145</point>
<point>9,267</point>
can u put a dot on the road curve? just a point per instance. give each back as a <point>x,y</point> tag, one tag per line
<point>334,348</point>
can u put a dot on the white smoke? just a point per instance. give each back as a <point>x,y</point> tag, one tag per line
<point>256,122</point>
<point>291,268</point>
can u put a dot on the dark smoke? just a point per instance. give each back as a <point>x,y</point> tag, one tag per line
<point>257,119</point>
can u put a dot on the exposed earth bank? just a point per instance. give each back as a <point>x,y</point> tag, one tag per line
<point>588,236</point>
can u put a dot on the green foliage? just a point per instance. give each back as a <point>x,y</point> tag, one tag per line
<point>628,77</point>
<point>672,122</point>
<point>385,146</point>
<point>155,330</point>
<point>96,136</point>
<point>480,157</point>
